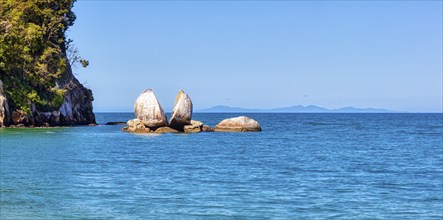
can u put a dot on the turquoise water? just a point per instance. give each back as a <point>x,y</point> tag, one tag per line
<point>308,166</point>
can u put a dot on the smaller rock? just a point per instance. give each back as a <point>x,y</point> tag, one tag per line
<point>238,124</point>
<point>133,122</point>
<point>196,123</point>
<point>190,129</point>
<point>165,129</point>
<point>194,127</point>
<point>136,126</point>
<point>206,128</point>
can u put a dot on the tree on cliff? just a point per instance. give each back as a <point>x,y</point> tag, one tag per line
<point>33,51</point>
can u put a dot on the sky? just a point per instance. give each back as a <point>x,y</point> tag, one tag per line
<point>262,54</point>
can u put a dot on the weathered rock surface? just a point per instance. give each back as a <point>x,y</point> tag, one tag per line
<point>4,109</point>
<point>238,124</point>
<point>165,129</point>
<point>194,127</point>
<point>77,106</point>
<point>149,110</point>
<point>18,117</point>
<point>182,111</point>
<point>136,126</point>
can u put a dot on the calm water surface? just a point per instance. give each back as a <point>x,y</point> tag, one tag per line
<point>307,166</point>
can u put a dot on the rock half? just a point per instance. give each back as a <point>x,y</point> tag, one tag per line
<point>182,111</point>
<point>238,124</point>
<point>149,110</point>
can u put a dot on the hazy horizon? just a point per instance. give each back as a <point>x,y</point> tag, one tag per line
<point>264,55</point>
<point>269,110</point>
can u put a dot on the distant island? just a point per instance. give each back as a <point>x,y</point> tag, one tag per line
<point>293,109</point>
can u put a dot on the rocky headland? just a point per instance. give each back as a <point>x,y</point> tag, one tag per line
<point>37,85</point>
<point>76,108</point>
<point>151,118</point>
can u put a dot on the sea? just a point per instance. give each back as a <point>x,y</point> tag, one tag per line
<point>301,166</point>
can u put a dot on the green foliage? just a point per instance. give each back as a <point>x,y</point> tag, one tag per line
<point>72,54</point>
<point>33,50</point>
<point>58,97</point>
<point>84,63</point>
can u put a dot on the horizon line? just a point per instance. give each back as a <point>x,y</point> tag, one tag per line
<point>199,111</point>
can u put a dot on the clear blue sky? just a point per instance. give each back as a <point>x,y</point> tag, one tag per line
<point>263,54</point>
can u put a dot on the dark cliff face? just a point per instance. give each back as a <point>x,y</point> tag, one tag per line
<point>4,108</point>
<point>76,108</point>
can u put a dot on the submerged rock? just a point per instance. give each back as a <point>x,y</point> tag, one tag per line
<point>182,111</point>
<point>238,124</point>
<point>149,110</point>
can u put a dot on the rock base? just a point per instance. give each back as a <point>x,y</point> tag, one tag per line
<point>137,126</point>
<point>194,127</point>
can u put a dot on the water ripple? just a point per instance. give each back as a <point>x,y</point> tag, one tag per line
<point>302,166</point>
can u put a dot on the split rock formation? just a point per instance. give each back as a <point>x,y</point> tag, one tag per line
<point>152,119</point>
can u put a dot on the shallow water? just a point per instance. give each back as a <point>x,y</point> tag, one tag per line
<point>310,166</point>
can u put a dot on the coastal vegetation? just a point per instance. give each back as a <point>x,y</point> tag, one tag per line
<point>33,51</point>
<point>35,54</point>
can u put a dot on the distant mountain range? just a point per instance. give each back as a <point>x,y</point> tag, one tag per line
<point>293,109</point>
